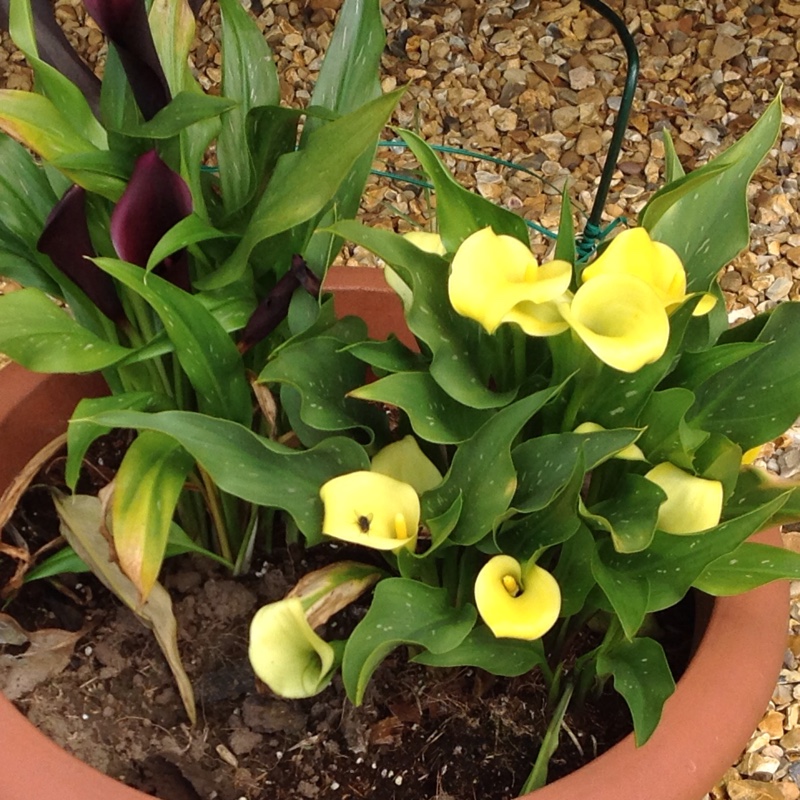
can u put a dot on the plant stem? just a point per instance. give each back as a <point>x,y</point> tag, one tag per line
<point>217,517</point>
<point>538,775</point>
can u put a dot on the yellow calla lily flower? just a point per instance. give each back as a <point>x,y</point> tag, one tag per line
<point>517,602</point>
<point>496,279</point>
<point>429,242</point>
<point>404,461</point>
<point>752,454</point>
<point>630,453</point>
<point>693,504</point>
<point>370,509</point>
<point>285,652</point>
<point>633,252</point>
<point>620,319</point>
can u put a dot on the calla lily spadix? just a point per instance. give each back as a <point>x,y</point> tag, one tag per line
<point>155,200</point>
<point>370,509</point>
<point>517,602</point>
<point>620,319</point>
<point>286,653</point>
<point>496,279</point>
<point>693,504</point>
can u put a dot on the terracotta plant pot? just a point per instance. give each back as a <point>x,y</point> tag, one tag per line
<point>718,702</point>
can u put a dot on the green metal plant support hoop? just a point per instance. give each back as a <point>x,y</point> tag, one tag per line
<point>592,233</point>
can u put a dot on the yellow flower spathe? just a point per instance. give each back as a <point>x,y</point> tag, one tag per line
<point>496,279</point>
<point>370,509</point>
<point>634,253</point>
<point>693,504</point>
<point>620,319</point>
<point>427,241</point>
<point>517,602</point>
<point>285,652</point>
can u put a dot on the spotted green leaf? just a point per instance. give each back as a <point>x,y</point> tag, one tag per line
<point>81,433</point>
<point>185,109</point>
<point>205,351</point>
<point>667,436</point>
<point>402,612</point>
<point>452,339</point>
<point>482,649</point>
<point>630,514</point>
<point>757,398</point>
<point>483,472</point>
<point>643,677</point>
<point>38,334</point>
<point>55,86</point>
<point>305,182</point>
<point>672,563</point>
<point>703,216</point>
<point>322,374</point>
<point>250,77</point>
<point>349,76</point>
<point>460,212</point>
<point>433,414</point>
<point>249,466</point>
<point>748,566</point>
<point>26,196</point>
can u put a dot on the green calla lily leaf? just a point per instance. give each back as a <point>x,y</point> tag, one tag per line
<point>481,649</point>
<point>643,677</point>
<point>205,351</point>
<point>752,401</point>
<point>403,611</point>
<point>749,566</point>
<point>82,433</point>
<point>249,466</point>
<point>43,337</point>
<point>433,414</point>
<point>459,211</point>
<point>630,514</point>
<point>720,189</point>
<point>146,491</point>
<point>452,339</point>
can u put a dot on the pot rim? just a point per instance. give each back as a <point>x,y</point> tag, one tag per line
<point>738,656</point>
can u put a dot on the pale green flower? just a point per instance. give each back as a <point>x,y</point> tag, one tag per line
<point>285,652</point>
<point>404,461</point>
<point>693,504</point>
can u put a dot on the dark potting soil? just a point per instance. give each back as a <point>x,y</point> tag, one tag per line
<point>421,733</point>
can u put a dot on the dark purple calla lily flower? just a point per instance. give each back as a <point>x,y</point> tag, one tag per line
<point>273,308</point>
<point>66,240</point>
<point>155,200</point>
<point>124,22</point>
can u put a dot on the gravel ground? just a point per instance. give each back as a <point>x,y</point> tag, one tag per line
<point>538,83</point>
